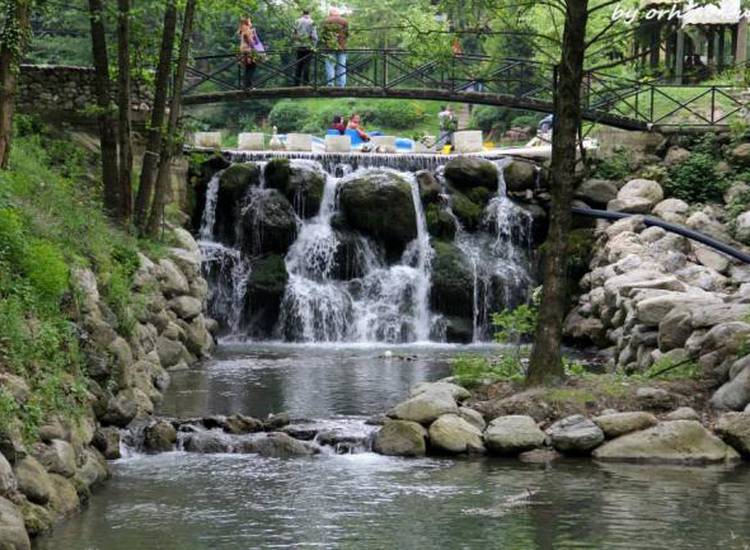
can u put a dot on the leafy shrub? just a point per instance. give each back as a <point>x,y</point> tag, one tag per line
<point>401,115</point>
<point>614,167</point>
<point>695,180</point>
<point>473,370</point>
<point>45,267</point>
<point>524,121</point>
<point>490,119</point>
<point>287,116</point>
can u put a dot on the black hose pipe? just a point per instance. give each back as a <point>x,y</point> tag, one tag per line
<point>671,227</point>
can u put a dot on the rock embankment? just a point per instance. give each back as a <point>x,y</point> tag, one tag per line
<point>128,364</point>
<point>653,297</point>
<point>434,422</point>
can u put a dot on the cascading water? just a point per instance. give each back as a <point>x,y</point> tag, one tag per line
<point>341,285</point>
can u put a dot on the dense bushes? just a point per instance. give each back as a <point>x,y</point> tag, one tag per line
<point>494,120</point>
<point>695,180</point>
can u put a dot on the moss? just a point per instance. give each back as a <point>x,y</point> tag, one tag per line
<point>269,275</point>
<point>452,282</point>
<point>467,211</point>
<point>479,195</point>
<point>277,173</point>
<point>440,223</point>
<point>302,186</point>
<point>237,178</point>
<point>468,172</point>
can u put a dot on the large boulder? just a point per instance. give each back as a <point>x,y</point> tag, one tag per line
<point>380,205</point>
<point>58,457</point>
<point>617,424</point>
<point>159,437</point>
<point>277,445</point>
<point>672,210</point>
<point>520,175</point>
<point>468,172</point>
<point>675,441</point>
<point>452,434</point>
<point>107,441</point>
<point>234,183</point>
<point>64,498</point>
<point>269,223</point>
<point>734,395</point>
<point>440,223</point>
<point>513,434</point>
<point>575,434</point>
<point>429,188</point>
<point>734,428</point>
<point>637,196</point>
<point>452,281</point>
<point>302,183</point>
<point>13,534</point>
<point>208,442</point>
<point>127,405</point>
<point>425,407</point>
<point>401,438</point>
<point>597,192</point>
<point>266,284</point>
<point>33,480</point>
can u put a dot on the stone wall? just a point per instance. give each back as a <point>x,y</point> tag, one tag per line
<point>65,89</point>
<point>128,366</point>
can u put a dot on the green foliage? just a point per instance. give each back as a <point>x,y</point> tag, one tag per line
<point>46,270</point>
<point>287,115</point>
<point>575,369</point>
<point>695,180</point>
<point>666,369</point>
<point>514,325</point>
<point>614,167</point>
<point>473,370</point>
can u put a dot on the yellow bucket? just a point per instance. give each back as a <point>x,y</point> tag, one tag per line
<point>446,149</point>
<point>489,145</point>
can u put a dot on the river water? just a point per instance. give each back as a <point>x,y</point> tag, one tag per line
<point>189,501</point>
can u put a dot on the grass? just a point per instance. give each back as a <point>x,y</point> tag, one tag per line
<point>51,222</point>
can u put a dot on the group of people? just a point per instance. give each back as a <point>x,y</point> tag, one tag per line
<point>334,33</point>
<point>353,128</point>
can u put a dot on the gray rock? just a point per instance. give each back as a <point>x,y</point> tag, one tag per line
<point>596,191</point>
<point>172,280</point>
<point>734,395</point>
<point>127,405</point>
<point>655,398</point>
<point>675,329</point>
<point>33,480</point>
<point>64,498</point>
<point>186,307</point>
<point>401,438</point>
<point>652,311</point>
<point>159,437</point>
<point>7,479</point>
<point>36,518</point>
<point>452,434</point>
<point>683,413</point>
<point>676,155</point>
<point>425,407</point>
<point>277,445</point>
<point>642,189</point>
<point>513,434</point>
<point>92,471</point>
<point>107,441</point>
<point>621,423</point>
<point>207,442</point>
<point>734,428</point>
<point>58,457</point>
<point>675,441</point>
<point>472,417</point>
<point>633,205</point>
<point>171,352</point>
<point>672,210</point>
<point>575,434</point>
<point>13,534</point>
<point>457,392</point>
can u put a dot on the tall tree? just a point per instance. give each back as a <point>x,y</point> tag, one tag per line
<point>546,359</point>
<point>14,32</point>
<point>155,132</point>
<point>113,200</point>
<point>162,180</point>
<point>124,133</point>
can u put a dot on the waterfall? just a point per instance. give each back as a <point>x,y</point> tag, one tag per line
<point>499,258</point>
<point>343,286</point>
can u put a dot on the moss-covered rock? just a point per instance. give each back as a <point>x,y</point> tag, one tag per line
<point>452,281</point>
<point>479,195</point>
<point>467,211</point>
<point>429,188</point>
<point>380,205</point>
<point>234,183</point>
<point>440,224</point>
<point>469,172</point>
<point>269,223</point>
<point>265,289</point>
<point>301,184</point>
<point>519,176</point>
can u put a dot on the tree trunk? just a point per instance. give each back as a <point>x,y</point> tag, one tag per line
<point>107,132</point>
<point>546,360</point>
<point>154,139</point>
<point>162,179</point>
<point>10,57</point>
<point>124,135</point>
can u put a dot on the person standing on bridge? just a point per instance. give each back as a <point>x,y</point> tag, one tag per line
<point>334,33</point>
<point>251,50</point>
<point>305,40</point>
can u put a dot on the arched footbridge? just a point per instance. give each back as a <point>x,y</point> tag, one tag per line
<point>475,79</point>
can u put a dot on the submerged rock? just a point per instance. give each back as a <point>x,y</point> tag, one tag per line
<point>208,442</point>
<point>575,434</point>
<point>159,437</point>
<point>673,441</point>
<point>266,284</point>
<point>513,434</point>
<point>452,434</point>
<point>401,438</point>
<point>276,445</point>
<point>425,407</point>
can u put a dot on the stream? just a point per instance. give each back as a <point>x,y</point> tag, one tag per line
<point>363,500</point>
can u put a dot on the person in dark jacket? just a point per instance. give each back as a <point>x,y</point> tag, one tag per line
<point>305,39</point>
